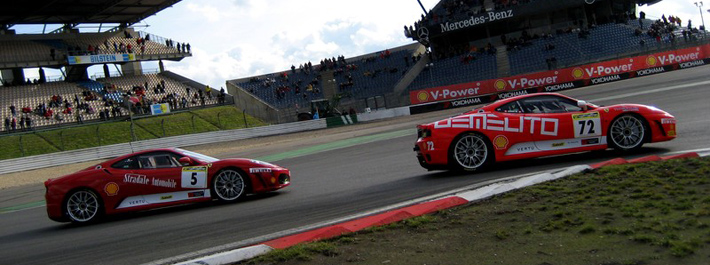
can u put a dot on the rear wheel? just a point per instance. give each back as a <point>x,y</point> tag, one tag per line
<point>470,152</point>
<point>229,185</point>
<point>627,132</point>
<point>83,206</point>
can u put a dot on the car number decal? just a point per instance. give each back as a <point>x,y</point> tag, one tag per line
<point>194,177</point>
<point>587,124</point>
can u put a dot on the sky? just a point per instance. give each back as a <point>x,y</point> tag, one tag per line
<point>232,39</point>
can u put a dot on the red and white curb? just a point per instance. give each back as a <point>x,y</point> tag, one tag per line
<point>442,202</point>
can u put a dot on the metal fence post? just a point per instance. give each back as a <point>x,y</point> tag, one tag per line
<point>244,115</point>
<point>22,149</point>
<point>98,135</point>
<point>61,140</point>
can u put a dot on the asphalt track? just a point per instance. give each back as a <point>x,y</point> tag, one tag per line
<point>331,181</point>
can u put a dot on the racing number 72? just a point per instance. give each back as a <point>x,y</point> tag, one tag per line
<point>589,123</point>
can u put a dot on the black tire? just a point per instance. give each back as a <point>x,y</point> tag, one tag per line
<point>627,132</point>
<point>83,206</point>
<point>470,152</point>
<point>229,185</point>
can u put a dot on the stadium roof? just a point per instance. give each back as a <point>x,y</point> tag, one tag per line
<point>79,11</point>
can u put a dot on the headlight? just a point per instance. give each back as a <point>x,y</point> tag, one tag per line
<point>423,133</point>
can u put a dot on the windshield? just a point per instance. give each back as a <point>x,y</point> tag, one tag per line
<point>198,156</point>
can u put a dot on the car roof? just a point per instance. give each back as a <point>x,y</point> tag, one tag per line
<point>511,99</point>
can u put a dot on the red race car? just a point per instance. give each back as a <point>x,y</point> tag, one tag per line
<point>157,178</point>
<point>537,125</point>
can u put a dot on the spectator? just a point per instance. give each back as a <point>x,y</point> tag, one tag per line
<point>13,111</point>
<point>208,91</point>
<point>13,124</point>
<point>28,123</point>
<point>7,124</point>
<point>79,118</point>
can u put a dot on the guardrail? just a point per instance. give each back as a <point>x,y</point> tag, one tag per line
<point>103,152</point>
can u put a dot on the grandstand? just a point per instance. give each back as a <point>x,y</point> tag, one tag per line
<point>459,42</point>
<point>74,97</point>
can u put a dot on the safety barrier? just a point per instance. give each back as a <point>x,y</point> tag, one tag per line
<point>103,152</point>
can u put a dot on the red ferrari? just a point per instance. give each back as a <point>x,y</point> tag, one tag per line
<point>536,125</point>
<point>157,178</point>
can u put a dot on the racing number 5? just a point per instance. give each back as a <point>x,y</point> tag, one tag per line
<point>193,179</point>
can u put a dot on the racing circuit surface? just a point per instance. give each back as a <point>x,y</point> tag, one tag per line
<point>329,185</point>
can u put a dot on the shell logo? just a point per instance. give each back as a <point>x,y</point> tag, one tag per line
<point>651,60</point>
<point>500,142</point>
<point>423,96</point>
<point>577,73</point>
<point>500,85</point>
<point>111,188</point>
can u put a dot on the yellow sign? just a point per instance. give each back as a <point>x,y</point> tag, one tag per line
<point>501,142</point>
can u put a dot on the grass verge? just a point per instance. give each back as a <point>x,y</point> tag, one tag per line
<point>93,135</point>
<point>652,213</point>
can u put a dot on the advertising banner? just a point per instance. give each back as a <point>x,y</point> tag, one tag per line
<point>157,109</point>
<point>101,58</point>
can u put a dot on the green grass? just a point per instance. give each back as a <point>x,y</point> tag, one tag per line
<point>653,213</point>
<point>227,118</point>
<point>92,135</point>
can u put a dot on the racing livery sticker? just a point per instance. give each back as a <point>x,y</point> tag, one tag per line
<point>259,170</point>
<point>587,124</point>
<point>500,142</point>
<point>194,177</point>
<point>111,189</point>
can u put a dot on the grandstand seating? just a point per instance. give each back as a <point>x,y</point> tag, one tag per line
<point>604,41</point>
<point>453,70</point>
<point>268,93</point>
<point>374,75</point>
<point>34,95</point>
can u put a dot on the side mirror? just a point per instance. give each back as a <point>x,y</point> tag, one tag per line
<point>185,161</point>
<point>582,104</point>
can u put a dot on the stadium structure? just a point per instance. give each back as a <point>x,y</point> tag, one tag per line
<point>474,51</point>
<point>123,89</point>
<point>462,53</point>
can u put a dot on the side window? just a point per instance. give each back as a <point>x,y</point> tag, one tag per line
<point>165,161</point>
<point>569,105</point>
<point>146,162</point>
<point>128,163</point>
<point>512,107</point>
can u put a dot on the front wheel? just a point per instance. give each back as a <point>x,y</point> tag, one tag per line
<point>470,152</point>
<point>627,132</point>
<point>83,206</point>
<point>229,185</point>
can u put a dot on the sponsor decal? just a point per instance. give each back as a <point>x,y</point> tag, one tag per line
<point>259,170</point>
<point>169,183</point>
<point>650,71</point>
<point>491,122</point>
<point>590,141</point>
<point>136,179</point>
<point>671,130</point>
<point>500,142</point>
<point>668,121</point>
<point>439,94</point>
<point>525,82</point>
<point>673,58</point>
<point>273,180</point>
<point>512,94</point>
<point>166,197</point>
<point>691,64</point>
<point>558,144</point>
<point>651,60</point>
<point>559,87</point>
<point>466,102</point>
<point>476,20</point>
<point>134,202</point>
<point>196,194</point>
<point>500,85</point>
<point>606,110</point>
<point>626,109</point>
<point>605,79</point>
<point>423,96</point>
<point>608,70</point>
<point>111,189</point>
<point>578,73</point>
<point>585,116</point>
